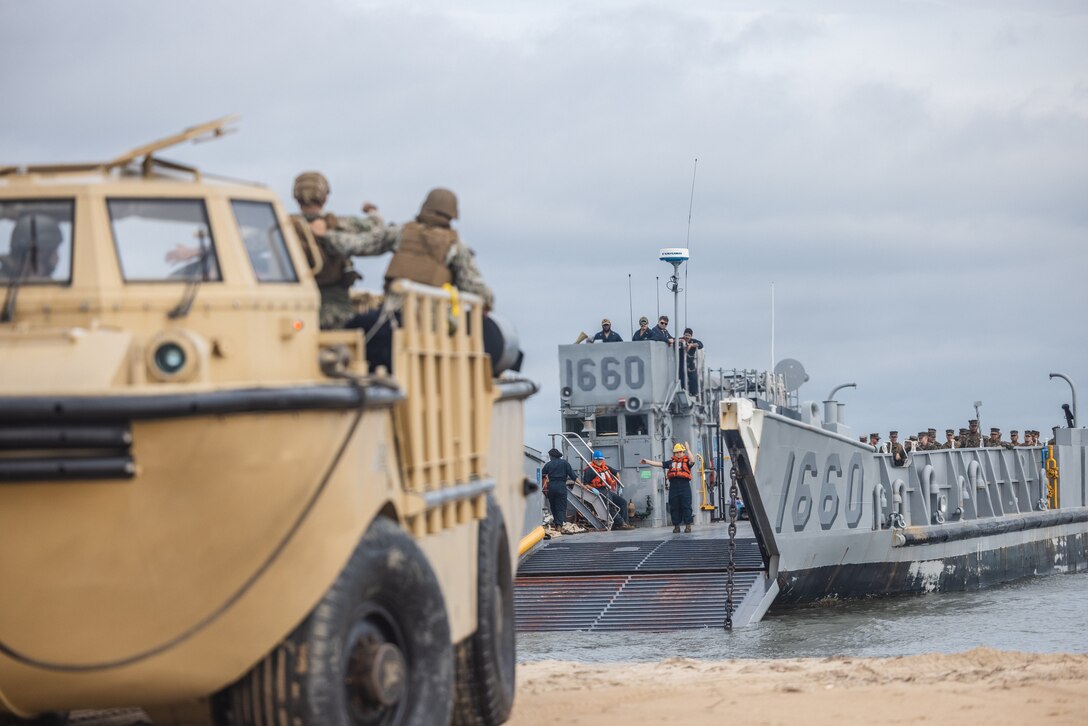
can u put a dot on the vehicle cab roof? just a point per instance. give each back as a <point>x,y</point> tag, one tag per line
<point>138,172</point>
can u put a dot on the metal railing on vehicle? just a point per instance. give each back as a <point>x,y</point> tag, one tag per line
<point>443,426</point>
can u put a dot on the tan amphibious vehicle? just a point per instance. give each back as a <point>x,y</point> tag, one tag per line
<point>208,507</point>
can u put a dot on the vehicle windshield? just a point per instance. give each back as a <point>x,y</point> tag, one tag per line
<point>36,241</point>
<point>263,239</point>
<point>163,240</point>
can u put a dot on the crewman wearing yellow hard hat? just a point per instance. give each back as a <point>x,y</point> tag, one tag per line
<point>678,472</point>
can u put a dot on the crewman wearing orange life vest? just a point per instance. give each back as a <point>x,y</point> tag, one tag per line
<point>678,472</point>
<point>605,479</point>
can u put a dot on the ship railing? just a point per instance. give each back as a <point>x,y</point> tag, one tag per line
<point>589,495</point>
<point>751,383</point>
<point>952,485</point>
<point>443,426</point>
<point>569,437</point>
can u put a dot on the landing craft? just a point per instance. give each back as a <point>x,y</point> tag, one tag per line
<point>829,516</point>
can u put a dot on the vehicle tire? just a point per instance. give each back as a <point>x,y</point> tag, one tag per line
<point>375,650</point>
<point>486,661</point>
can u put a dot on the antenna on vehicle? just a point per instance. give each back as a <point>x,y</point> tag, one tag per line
<point>657,286</point>
<point>202,132</point>
<point>772,324</point>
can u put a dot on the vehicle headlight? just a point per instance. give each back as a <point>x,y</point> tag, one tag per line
<point>174,356</point>
<point>169,358</point>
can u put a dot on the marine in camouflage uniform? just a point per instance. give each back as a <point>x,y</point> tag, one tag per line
<point>338,239</point>
<point>426,251</point>
<point>899,454</point>
<point>994,441</point>
<point>429,251</point>
<point>973,438</point>
<point>950,439</point>
<point>1014,438</point>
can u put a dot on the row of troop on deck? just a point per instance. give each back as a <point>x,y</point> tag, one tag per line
<point>557,475</point>
<point>687,345</point>
<point>968,438</point>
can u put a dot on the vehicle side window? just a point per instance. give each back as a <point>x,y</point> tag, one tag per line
<point>163,240</point>
<point>258,228</point>
<point>36,241</point>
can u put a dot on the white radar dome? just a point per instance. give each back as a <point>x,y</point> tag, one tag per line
<point>674,254</point>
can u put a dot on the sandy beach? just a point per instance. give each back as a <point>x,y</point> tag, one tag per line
<point>980,686</point>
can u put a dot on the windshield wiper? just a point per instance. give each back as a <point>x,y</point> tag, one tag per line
<point>189,296</point>
<point>30,262</point>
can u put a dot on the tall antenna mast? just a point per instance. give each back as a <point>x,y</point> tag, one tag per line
<point>687,240</point>
<point>630,305</point>
<point>657,286</point>
<point>691,202</point>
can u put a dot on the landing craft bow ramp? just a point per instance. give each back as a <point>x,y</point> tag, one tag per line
<point>609,582</point>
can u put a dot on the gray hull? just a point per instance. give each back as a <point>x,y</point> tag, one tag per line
<point>836,519</point>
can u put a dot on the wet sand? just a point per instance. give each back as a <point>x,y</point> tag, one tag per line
<point>981,686</point>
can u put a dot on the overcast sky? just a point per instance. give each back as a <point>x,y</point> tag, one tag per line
<point>912,176</point>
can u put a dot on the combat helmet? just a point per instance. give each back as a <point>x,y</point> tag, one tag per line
<point>441,202</point>
<point>311,187</point>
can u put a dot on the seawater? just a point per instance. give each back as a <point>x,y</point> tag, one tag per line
<point>1039,615</point>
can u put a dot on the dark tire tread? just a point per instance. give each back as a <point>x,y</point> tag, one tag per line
<point>484,695</point>
<point>296,684</point>
<point>58,718</point>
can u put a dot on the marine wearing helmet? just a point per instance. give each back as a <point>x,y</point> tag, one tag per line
<point>430,252</point>
<point>336,240</point>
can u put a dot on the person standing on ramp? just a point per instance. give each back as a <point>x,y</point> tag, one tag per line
<point>678,472</point>
<point>555,475</point>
